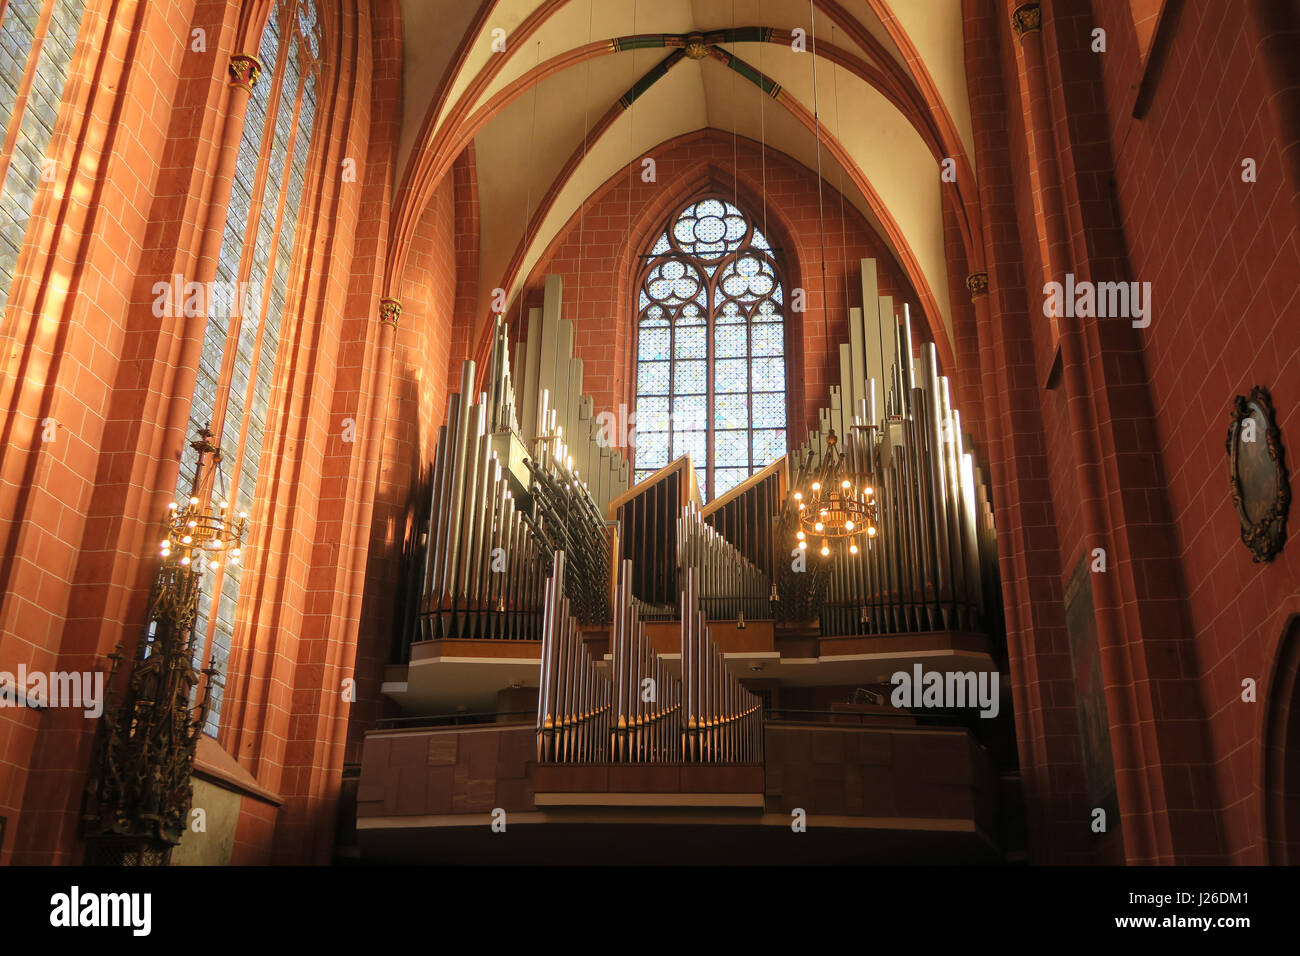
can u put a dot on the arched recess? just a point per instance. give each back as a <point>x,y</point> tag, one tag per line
<point>691,164</point>
<point>1281,759</point>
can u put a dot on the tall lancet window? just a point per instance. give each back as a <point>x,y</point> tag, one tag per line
<point>243,333</point>
<point>710,363</point>
<point>37,39</point>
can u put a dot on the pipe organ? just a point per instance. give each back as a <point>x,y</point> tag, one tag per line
<point>483,571</point>
<point>664,531</point>
<point>730,586</point>
<point>723,722</point>
<point>554,413</point>
<point>746,516</point>
<point>527,472</point>
<point>573,698</point>
<point>646,722</point>
<point>637,710</point>
<point>496,515</point>
<point>647,522</point>
<point>932,566</point>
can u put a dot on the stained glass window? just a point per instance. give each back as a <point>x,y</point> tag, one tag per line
<point>37,40</point>
<point>243,332</point>
<point>710,356</point>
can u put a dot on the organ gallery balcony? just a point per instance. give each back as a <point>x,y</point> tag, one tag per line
<point>868,793</point>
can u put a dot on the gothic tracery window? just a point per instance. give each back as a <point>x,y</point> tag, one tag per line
<point>710,365</point>
<point>244,328</point>
<point>37,40</point>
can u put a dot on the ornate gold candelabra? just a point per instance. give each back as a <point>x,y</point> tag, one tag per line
<point>138,793</point>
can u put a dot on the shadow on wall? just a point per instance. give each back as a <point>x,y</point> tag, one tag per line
<point>1281,764</point>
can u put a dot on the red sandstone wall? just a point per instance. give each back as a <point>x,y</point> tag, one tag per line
<point>156,171</point>
<point>1183,613</point>
<point>417,406</point>
<point>1224,260</point>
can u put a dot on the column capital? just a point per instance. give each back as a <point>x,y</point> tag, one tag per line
<point>244,71</point>
<point>1027,18</point>
<point>390,310</point>
<point>977,283</point>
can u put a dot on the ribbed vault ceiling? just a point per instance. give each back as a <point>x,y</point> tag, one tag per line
<point>558,133</point>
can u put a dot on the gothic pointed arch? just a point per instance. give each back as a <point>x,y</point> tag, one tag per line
<point>1281,736</point>
<point>710,367</point>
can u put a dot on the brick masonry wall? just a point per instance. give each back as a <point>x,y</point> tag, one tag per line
<point>1223,258</point>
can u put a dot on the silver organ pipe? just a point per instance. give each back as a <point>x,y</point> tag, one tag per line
<point>639,712</point>
<point>722,722</point>
<point>497,513</point>
<point>555,412</point>
<point>645,722</point>
<point>482,576</point>
<point>730,585</point>
<point>932,566</point>
<point>573,698</point>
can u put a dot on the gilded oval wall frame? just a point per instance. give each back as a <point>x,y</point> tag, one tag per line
<point>1257,473</point>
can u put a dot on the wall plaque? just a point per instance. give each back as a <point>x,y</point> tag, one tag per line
<point>1257,473</point>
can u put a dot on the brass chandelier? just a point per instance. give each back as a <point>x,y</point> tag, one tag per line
<point>837,505</point>
<point>202,533</point>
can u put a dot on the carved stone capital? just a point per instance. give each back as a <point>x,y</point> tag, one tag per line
<point>1026,18</point>
<point>390,310</point>
<point>977,283</point>
<point>244,71</point>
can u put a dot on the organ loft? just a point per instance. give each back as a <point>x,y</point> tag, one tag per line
<point>648,431</point>
<point>645,646</point>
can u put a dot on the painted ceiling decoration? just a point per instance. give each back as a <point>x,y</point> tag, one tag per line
<point>559,96</point>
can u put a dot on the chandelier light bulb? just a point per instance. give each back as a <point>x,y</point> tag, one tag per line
<point>225,505</point>
<point>194,501</point>
<point>234,561</point>
<point>185,561</point>
<point>803,545</point>
<point>187,540</point>
<point>868,491</point>
<point>853,549</point>
<point>844,483</point>
<point>799,535</point>
<point>818,526</point>
<point>817,486</point>
<point>173,506</point>
<point>826,550</point>
<point>871,531</point>
<point>798,496</point>
<point>848,525</point>
<point>213,565</point>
